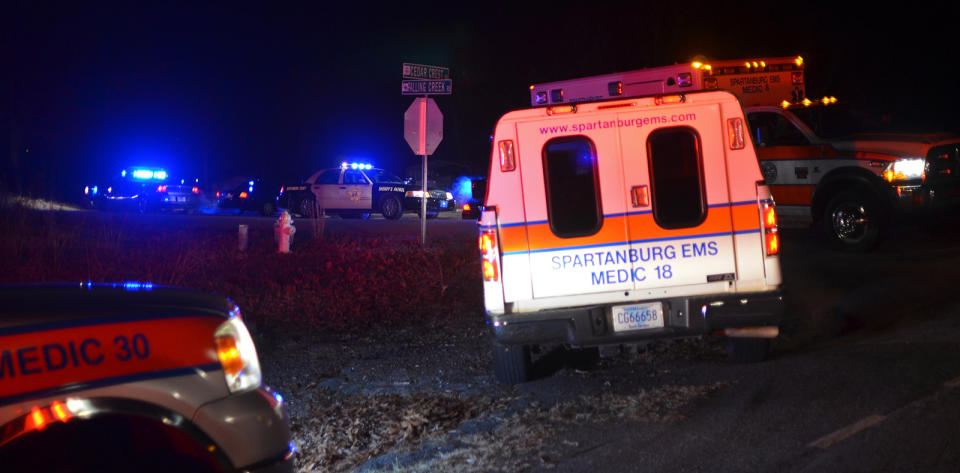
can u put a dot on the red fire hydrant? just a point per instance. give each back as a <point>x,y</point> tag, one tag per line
<point>283,230</point>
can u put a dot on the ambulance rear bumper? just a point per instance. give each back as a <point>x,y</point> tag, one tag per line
<point>683,317</point>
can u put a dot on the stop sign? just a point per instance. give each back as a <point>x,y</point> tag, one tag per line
<point>423,126</point>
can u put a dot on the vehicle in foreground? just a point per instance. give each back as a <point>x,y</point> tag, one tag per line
<point>352,190</point>
<point>144,190</point>
<point>133,377</point>
<point>618,222</point>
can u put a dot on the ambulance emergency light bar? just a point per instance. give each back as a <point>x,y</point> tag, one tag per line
<point>346,165</point>
<point>141,173</point>
<point>754,81</point>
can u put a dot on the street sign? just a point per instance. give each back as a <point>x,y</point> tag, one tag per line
<point>426,87</point>
<point>423,71</point>
<point>423,126</point>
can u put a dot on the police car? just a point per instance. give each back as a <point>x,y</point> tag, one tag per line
<point>438,200</point>
<point>133,377</point>
<point>144,189</point>
<point>247,194</point>
<point>350,190</point>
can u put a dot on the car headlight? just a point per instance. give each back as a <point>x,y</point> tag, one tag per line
<point>449,196</point>
<point>904,170</point>
<point>416,194</point>
<point>237,354</point>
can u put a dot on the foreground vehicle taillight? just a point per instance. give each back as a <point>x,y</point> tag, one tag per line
<point>162,188</point>
<point>771,238</point>
<point>195,190</point>
<point>489,251</point>
<point>237,354</point>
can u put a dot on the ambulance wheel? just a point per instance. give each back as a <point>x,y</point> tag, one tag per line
<point>307,208</point>
<point>512,364</point>
<point>747,350</point>
<point>390,207</point>
<point>852,222</point>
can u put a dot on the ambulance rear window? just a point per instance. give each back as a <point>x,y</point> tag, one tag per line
<point>573,193</point>
<point>676,177</point>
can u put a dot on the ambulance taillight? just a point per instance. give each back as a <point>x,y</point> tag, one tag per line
<point>771,237</point>
<point>489,252</point>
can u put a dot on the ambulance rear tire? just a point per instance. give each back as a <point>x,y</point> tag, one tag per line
<point>512,364</point>
<point>852,222</point>
<point>747,350</point>
<point>390,207</point>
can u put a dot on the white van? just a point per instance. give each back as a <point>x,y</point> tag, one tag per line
<point>616,222</point>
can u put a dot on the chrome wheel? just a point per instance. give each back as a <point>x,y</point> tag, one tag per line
<point>850,221</point>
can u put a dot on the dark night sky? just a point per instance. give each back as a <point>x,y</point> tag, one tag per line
<point>284,89</point>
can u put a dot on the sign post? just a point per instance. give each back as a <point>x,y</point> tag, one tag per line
<point>423,121</point>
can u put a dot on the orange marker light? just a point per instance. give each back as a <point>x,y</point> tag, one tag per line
<point>507,158</point>
<point>60,411</point>
<point>38,419</point>
<point>229,355</point>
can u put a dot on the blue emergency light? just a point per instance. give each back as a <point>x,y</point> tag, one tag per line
<point>156,174</point>
<point>346,165</point>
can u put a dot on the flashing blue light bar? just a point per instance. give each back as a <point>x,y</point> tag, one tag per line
<point>346,165</point>
<point>136,286</point>
<point>158,174</point>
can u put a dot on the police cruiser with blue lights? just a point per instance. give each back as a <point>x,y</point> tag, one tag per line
<point>144,189</point>
<point>350,190</point>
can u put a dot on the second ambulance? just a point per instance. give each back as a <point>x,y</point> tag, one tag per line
<point>621,221</point>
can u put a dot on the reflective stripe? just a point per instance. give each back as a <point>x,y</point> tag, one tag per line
<point>78,357</point>
<point>743,216</point>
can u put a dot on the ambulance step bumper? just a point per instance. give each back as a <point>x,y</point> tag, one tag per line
<point>683,317</point>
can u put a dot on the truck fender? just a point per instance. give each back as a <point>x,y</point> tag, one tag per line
<point>851,179</point>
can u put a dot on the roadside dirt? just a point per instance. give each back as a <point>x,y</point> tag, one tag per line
<point>423,398</point>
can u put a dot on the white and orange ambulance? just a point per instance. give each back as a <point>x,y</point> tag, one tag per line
<point>766,81</point>
<point>616,222</point>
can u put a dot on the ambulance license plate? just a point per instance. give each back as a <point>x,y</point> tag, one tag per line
<point>637,316</point>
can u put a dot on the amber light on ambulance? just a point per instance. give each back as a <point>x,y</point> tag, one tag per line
<point>771,237</point>
<point>488,250</point>
<point>237,355</point>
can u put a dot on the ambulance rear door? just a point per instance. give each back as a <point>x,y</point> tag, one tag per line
<point>679,222</point>
<point>573,202</point>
